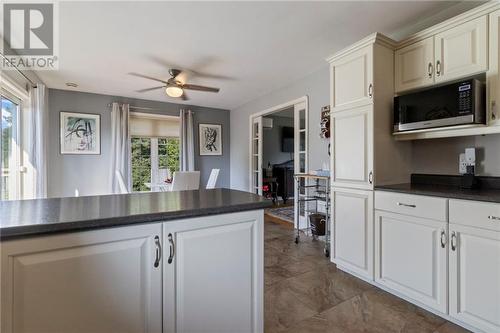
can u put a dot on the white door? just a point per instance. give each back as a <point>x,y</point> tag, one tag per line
<point>301,163</point>
<point>352,80</point>
<point>352,247</point>
<point>462,50</point>
<point>95,281</point>
<point>411,257</point>
<point>494,72</point>
<point>213,274</point>
<point>256,156</point>
<point>414,65</point>
<point>474,277</point>
<point>352,148</point>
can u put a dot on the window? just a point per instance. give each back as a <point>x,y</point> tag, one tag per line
<point>151,158</point>
<point>9,142</point>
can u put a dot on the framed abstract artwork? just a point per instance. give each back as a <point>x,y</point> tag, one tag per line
<point>210,136</point>
<point>80,133</point>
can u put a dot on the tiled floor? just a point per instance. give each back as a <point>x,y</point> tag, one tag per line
<point>304,292</point>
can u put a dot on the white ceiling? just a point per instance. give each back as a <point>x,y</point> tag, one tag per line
<point>256,46</point>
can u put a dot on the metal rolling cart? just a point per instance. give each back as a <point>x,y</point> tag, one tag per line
<point>309,190</point>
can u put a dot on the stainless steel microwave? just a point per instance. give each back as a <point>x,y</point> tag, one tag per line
<point>459,103</point>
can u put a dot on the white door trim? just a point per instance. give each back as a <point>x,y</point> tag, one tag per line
<point>303,99</point>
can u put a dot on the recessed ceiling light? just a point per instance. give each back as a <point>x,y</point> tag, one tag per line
<point>71,84</point>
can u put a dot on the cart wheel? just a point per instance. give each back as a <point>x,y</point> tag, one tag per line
<point>297,240</point>
<point>327,253</point>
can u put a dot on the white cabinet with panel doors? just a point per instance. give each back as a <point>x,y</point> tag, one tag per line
<point>453,53</point>
<point>213,274</point>
<point>352,79</point>
<point>411,247</point>
<point>106,280</point>
<point>352,249</point>
<point>414,65</point>
<point>201,274</point>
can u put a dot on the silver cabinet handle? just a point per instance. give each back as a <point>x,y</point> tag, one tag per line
<point>430,70</point>
<point>370,177</point>
<point>406,205</point>
<point>158,251</point>
<point>453,241</point>
<point>438,68</point>
<point>491,217</point>
<point>172,248</point>
<point>370,90</point>
<point>443,239</point>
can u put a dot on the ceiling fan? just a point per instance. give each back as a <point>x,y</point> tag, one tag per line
<point>174,87</point>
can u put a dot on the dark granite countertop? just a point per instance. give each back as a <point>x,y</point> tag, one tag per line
<point>444,191</point>
<point>32,217</point>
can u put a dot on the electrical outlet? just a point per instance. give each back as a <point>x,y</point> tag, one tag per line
<point>462,164</point>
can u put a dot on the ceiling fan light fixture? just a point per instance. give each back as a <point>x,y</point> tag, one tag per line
<point>174,91</point>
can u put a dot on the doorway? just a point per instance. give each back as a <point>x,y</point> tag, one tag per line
<point>278,150</point>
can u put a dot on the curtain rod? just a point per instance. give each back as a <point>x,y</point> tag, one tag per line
<point>139,107</point>
<point>33,84</point>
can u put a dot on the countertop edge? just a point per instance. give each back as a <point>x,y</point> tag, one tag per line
<point>453,196</point>
<point>18,232</point>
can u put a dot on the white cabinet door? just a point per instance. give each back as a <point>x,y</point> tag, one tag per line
<point>352,247</point>
<point>494,71</point>
<point>213,274</point>
<point>474,277</point>
<point>352,80</point>
<point>462,50</point>
<point>95,281</point>
<point>352,148</point>
<point>414,65</point>
<point>411,258</point>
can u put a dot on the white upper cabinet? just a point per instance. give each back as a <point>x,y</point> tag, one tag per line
<point>353,148</point>
<point>414,65</point>
<point>493,73</point>
<point>462,50</point>
<point>352,79</point>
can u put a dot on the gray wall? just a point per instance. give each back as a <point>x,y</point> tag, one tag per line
<point>90,173</point>
<point>440,156</point>
<point>316,86</point>
<point>272,139</point>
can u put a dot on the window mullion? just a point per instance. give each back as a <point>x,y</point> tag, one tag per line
<point>154,160</point>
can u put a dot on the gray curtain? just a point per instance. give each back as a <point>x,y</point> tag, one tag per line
<point>36,146</point>
<point>120,147</point>
<point>187,141</point>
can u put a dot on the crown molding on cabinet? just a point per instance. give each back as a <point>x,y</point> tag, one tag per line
<point>450,23</point>
<point>376,37</point>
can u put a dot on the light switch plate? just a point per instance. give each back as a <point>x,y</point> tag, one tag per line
<point>462,164</point>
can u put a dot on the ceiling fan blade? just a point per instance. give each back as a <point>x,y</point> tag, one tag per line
<point>200,88</point>
<point>149,89</point>
<point>148,77</point>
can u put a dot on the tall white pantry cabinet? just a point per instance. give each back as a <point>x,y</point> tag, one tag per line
<point>363,150</point>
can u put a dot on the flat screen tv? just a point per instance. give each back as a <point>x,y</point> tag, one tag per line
<point>287,139</point>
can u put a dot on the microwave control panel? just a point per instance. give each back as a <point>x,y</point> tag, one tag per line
<point>464,98</point>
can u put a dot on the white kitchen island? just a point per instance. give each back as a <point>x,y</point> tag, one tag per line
<point>198,268</point>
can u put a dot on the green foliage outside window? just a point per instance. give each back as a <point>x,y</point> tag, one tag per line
<point>168,157</point>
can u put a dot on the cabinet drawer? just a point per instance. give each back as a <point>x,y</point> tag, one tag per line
<point>475,214</point>
<point>413,205</point>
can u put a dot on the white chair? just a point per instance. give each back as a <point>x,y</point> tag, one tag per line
<point>185,180</point>
<point>121,182</point>
<point>212,180</point>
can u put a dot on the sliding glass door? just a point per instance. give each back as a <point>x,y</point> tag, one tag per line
<point>9,144</point>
